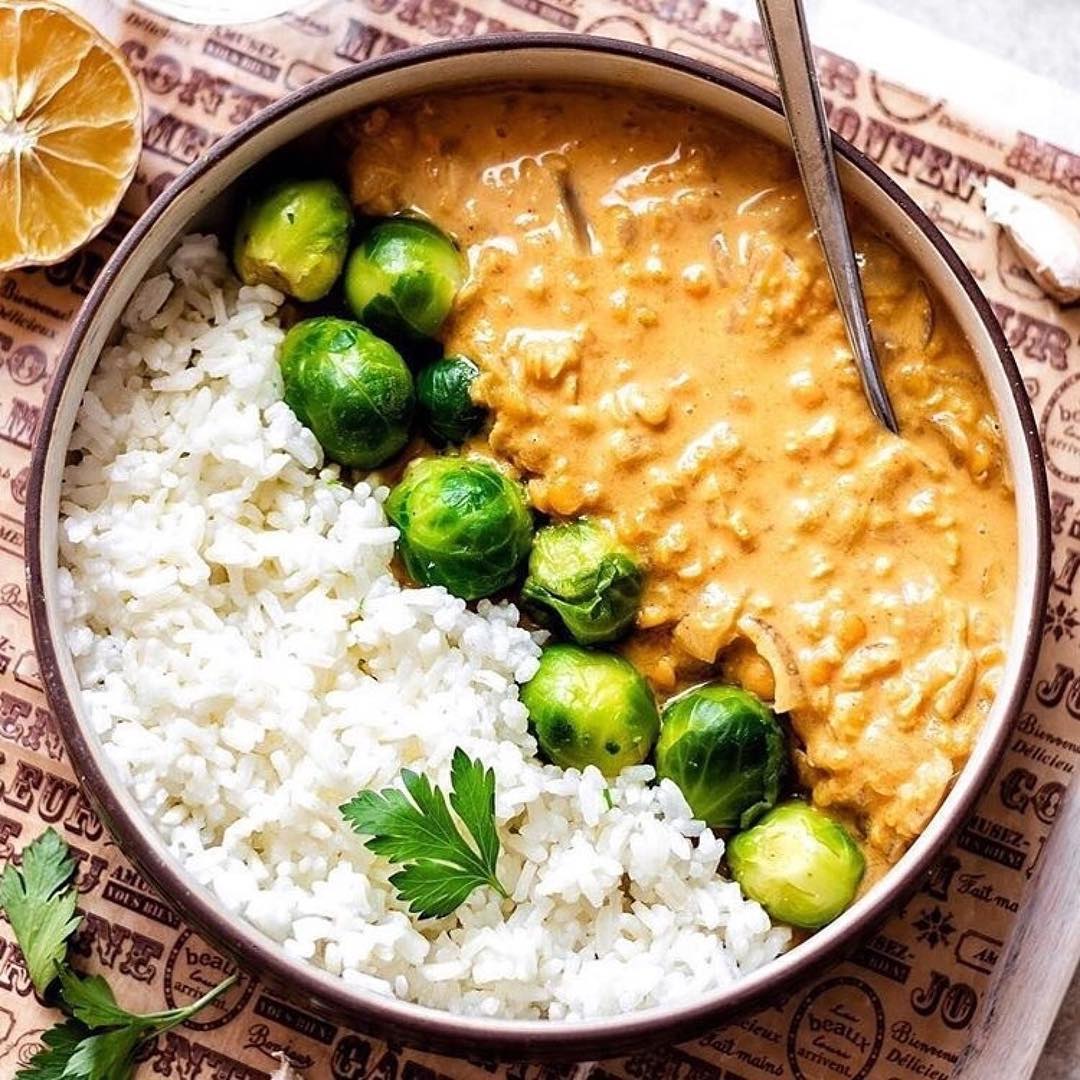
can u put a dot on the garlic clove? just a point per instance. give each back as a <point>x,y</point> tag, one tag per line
<point>1046,239</point>
<point>285,1070</point>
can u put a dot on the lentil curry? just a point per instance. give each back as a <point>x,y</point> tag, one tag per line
<point>660,350</point>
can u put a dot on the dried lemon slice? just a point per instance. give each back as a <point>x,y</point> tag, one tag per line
<point>69,132</point>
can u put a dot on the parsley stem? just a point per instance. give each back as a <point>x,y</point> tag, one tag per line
<point>174,1017</point>
<point>211,995</point>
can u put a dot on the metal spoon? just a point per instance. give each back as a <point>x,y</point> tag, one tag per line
<point>784,23</point>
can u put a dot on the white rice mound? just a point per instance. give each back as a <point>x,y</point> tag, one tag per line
<point>250,663</point>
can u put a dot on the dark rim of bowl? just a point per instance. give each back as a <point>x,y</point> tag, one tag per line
<point>423,1026</point>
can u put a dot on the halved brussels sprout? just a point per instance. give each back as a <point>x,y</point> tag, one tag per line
<point>726,752</point>
<point>402,278</point>
<point>579,572</point>
<point>799,864</point>
<point>447,412</point>
<point>464,525</point>
<point>294,236</point>
<point>350,388</point>
<point>590,708</point>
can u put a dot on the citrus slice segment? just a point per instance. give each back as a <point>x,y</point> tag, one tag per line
<point>70,132</point>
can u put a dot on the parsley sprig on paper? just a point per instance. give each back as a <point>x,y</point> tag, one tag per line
<point>440,868</point>
<point>40,905</point>
<point>99,1039</point>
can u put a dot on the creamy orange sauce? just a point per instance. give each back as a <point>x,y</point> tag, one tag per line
<point>661,350</point>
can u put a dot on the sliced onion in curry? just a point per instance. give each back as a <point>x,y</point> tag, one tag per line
<point>789,692</point>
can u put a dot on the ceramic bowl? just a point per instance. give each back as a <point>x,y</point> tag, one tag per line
<point>200,198</point>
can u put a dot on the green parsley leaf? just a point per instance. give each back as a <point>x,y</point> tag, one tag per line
<point>40,905</point>
<point>91,1000</point>
<point>57,1046</point>
<point>435,889</point>
<point>473,800</point>
<point>108,1055</point>
<point>440,868</point>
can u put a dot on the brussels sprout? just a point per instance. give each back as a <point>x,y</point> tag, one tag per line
<point>578,571</point>
<point>799,864</point>
<point>402,278</point>
<point>463,525</point>
<point>590,708</point>
<point>350,388</point>
<point>725,750</point>
<point>294,236</point>
<point>447,413</point>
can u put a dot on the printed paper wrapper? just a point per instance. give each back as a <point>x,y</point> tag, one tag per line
<point>903,1005</point>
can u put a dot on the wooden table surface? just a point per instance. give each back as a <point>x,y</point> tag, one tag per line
<point>1035,974</point>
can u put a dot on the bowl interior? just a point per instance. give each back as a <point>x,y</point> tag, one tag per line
<point>201,199</point>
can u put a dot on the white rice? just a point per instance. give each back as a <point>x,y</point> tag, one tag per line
<point>250,664</point>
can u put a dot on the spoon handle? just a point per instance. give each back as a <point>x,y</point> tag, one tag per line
<point>784,24</point>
